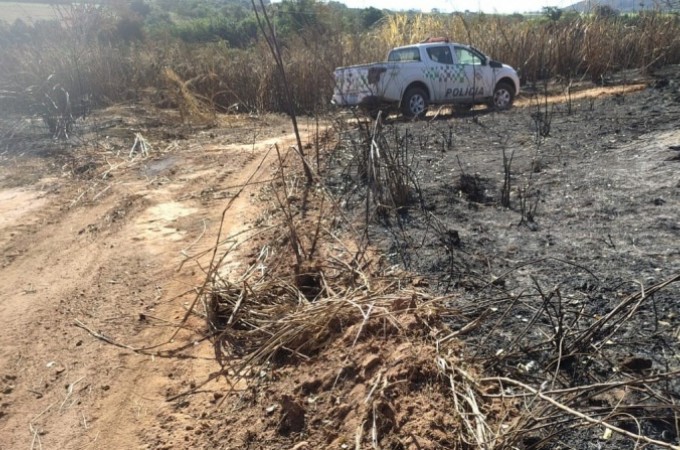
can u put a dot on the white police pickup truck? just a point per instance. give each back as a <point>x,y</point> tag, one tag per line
<point>435,72</point>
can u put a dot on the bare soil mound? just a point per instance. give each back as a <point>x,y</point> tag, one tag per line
<point>377,383</point>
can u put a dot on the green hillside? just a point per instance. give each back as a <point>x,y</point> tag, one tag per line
<point>626,6</point>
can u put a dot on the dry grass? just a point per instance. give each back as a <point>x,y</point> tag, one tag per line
<point>584,45</point>
<point>191,108</point>
<point>270,317</point>
<point>85,63</point>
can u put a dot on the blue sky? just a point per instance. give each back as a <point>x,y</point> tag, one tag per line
<point>488,6</point>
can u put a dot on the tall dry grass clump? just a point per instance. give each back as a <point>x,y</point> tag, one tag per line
<point>69,55</point>
<point>85,57</point>
<point>192,109</point>
<point>579,45</point>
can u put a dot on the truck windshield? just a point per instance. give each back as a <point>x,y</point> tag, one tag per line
<point>404,54</point>
<point>465,56</point>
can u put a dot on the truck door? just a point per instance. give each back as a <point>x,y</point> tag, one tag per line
<point>472,77</point>
<point>439,72</point>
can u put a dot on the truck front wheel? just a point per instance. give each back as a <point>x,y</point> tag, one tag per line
<point>414,103</point>
<point>503,96</point>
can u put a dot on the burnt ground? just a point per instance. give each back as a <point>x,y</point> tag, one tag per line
<point>593,222</point>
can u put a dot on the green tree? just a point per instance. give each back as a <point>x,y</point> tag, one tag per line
<point>370,16</point>
<point>297,16</point>
<point>140,8</point>
<point>553,13</point>
<point>605,12</point>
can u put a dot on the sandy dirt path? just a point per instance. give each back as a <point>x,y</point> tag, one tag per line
<point>111,264</point>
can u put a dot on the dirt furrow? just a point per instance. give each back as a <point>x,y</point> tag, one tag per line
<point>111,265</point>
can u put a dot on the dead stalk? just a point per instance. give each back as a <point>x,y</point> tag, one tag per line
<point>578,414</point>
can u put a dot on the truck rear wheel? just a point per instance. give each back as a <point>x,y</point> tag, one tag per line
<point>415,102</point>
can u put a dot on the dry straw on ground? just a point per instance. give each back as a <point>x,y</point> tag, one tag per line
<point>380,362</point>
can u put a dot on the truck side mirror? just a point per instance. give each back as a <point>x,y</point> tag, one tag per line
<point>495,64</point>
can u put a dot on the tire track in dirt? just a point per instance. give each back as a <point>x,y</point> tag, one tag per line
<point>165,425</point>
<point>527,99</point>
<point>112,264</point>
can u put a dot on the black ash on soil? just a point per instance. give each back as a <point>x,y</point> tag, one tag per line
<point>574,287</point>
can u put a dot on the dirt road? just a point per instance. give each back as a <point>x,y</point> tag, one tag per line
<point>92,239</point>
